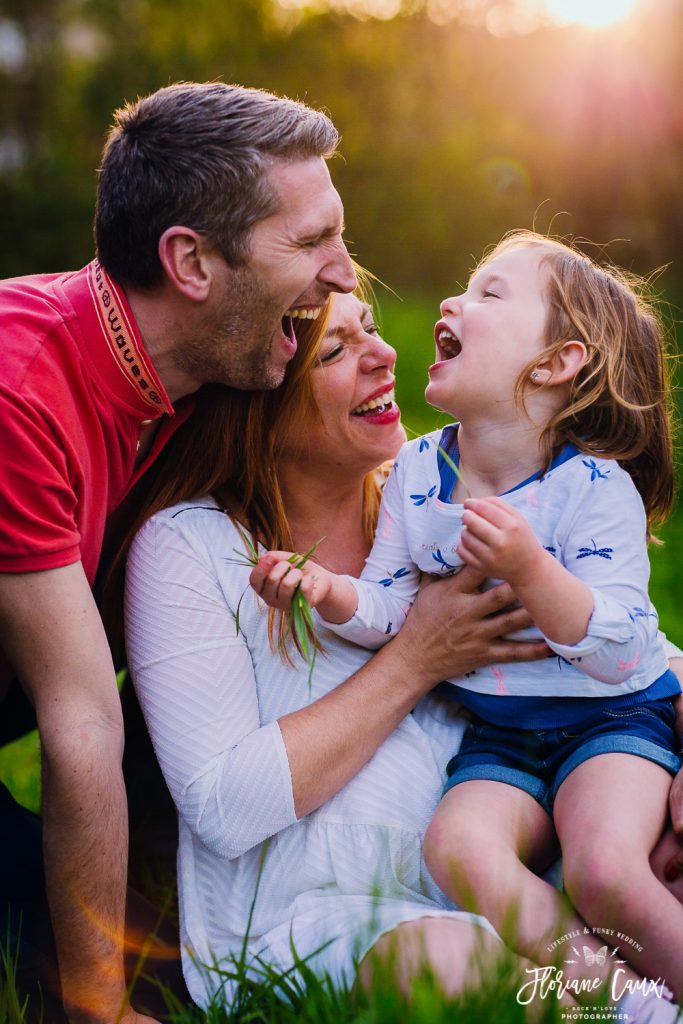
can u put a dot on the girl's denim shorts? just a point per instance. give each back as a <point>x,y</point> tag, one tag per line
<point>538,761</point>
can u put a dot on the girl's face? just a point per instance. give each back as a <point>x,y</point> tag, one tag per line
<point>487,336</point>
<point>359,423</point>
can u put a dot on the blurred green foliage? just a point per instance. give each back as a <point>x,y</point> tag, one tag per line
<point>451,134</point>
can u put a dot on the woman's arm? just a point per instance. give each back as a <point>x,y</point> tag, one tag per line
<point>451,629</point>
<point>227,773</point>
<point>234,780</point>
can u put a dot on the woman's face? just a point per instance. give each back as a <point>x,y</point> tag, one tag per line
<point>358,424</point>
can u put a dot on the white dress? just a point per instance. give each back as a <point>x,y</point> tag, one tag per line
<point>338,878</point>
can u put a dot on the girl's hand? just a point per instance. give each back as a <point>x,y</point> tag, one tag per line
<point>275,579</point>
<point>498,541</point>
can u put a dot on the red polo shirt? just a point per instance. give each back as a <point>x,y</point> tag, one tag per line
<point>75,388</point>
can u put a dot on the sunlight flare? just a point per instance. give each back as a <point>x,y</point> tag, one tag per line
<point>589,12</point>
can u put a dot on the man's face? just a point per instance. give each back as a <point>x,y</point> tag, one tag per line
<point>296,259</point>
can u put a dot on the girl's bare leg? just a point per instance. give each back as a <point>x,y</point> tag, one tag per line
<point>454,951</point>
<point>458,954</point>
<point>609,814</point>
<point>482,847</point>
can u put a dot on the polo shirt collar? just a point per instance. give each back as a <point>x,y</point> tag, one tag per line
<point>112,343</point>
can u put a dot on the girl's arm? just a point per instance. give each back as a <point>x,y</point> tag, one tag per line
<point>594,608</point>
<point>390,579</point>
<point>498,541</point>
<point>368,611</point>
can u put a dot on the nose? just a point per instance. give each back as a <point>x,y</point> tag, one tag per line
<point>451,305</point>
<point>379,355</point>
<point>338,273</point>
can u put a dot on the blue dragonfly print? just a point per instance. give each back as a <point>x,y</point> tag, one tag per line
<point>641,613</point>
<point>398,575</point>
<point>444,566</point>
<point>422,499</point>
<point>595,550</point>
<point>596,471</point>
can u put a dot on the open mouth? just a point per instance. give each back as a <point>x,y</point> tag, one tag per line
<point>304,312</point>
<point>297,314</point>
<point>376,406</point>
<point>447,344</point>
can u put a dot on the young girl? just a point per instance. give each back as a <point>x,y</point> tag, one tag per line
<point>555,371</point>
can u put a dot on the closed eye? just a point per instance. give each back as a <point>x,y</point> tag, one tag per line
<point>337,350</point>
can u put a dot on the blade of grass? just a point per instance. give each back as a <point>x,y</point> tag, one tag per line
<point>447,459</point>
<point>299,618</point>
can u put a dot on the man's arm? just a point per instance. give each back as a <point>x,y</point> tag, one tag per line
<point>51,630</point>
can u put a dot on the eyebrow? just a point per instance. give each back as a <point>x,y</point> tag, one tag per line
<point>490,278</point>
<point>329,232</point>
<point>340,329</point>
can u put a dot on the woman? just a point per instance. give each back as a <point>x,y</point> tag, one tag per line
<point>310,800</point>
<point>340,778</point>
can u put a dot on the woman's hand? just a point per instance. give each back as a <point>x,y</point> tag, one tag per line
<point>453,628</point>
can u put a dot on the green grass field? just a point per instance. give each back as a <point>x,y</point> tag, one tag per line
<point>407,325</point>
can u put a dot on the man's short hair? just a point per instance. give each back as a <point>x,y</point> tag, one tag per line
<point>196,155</point>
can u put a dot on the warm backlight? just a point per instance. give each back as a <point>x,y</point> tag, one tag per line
<point>596,13</point>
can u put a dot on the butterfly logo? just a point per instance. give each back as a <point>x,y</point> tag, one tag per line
<point>597,959</point>
<point>590,958</point>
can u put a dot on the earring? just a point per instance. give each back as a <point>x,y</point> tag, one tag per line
<point>535,375</point>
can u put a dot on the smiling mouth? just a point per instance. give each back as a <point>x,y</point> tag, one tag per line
<point>375,405</point>
<point>447,344</point>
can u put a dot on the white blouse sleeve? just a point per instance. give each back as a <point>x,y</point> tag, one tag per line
<point>228,774</point>
<point>390,579</point>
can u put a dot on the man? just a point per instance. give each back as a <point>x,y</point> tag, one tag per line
<point>217,225</point>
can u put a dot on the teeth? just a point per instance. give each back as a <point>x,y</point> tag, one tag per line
<point>375,403</point>
<point>304,312</point>
<point>449,343</point>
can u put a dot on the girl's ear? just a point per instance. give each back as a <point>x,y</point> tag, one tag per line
<point>562,366</point>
